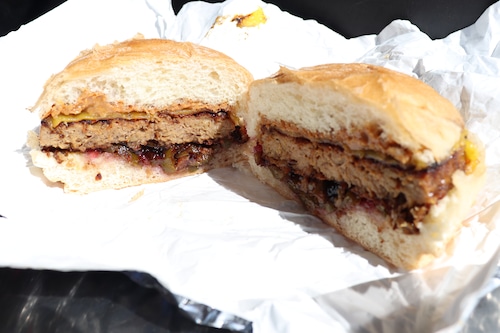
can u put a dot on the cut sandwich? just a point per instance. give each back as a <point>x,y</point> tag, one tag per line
<point>137,112</point>
<point>377,154</point>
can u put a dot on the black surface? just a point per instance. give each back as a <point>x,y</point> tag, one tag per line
<point>44,301</point>
<point>437,18</point>
<point>14,13</point>
<point>352,18</point>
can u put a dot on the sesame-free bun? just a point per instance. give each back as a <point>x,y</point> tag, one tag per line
<point>408,119</point>
<point>131,94</point>
<point>356,143</point>
<point>149,75</point>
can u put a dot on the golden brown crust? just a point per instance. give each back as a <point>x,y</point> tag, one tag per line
<point>397,122</point>
<point>102,58</point>
<point>408,111</point>
<point>164,91</point>
<point>115,69</point>
<point>382,87</point>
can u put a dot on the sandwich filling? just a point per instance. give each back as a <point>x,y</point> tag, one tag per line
<point>331,176</point>
<point>178,139</point>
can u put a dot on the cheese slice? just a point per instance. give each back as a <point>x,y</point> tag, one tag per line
<point>63,118</point>
<point>251,20</point>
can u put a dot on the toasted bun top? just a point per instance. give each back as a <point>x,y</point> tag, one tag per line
<point>148,74</point>
<point>354,97</point>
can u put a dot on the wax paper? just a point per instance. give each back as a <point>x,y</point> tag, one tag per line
<point>222,239</point>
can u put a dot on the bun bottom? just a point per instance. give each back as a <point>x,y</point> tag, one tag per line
<point>369,228</point>
<point>80,174</point>
<point>373,231</point>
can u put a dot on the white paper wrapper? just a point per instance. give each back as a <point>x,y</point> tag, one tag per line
<point>222,238</point>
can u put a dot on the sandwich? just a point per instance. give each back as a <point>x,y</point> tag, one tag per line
<point>377,154</point>
<point>139,111</point>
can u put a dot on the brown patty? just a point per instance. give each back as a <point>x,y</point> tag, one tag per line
<point>367,138</point>
<point>200,128</point>
<point>370,177</point>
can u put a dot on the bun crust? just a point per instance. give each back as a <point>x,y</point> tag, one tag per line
<point>153,97</point>
<point>348,97</point>
<point>149,74</point>
<point>377,154</point>
<point>332,111</point>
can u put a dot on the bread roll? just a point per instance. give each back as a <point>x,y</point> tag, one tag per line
<point>377,154</point>
<point>139,111</point>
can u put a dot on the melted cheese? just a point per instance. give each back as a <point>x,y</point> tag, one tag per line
<point>85,115</point>
<point>472,156</point>
<point>251,20</point>
<point>374,155</point>
<point>471,151</point>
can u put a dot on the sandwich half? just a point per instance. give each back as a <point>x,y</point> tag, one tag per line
<point>377,154</point>
<point>140,111</point>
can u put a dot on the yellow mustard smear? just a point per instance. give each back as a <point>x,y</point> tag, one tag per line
<point>62,118</point>
<point>472,156</point>
<point>251,20</point>
<point>472,152</point>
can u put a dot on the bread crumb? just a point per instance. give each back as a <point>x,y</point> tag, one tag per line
<point>137,196</point>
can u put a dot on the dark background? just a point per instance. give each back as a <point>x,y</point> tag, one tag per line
<point>14,13</point>
<point>353,18</point>
<point>350,18</point>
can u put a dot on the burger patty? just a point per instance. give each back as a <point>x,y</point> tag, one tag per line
<point>370,138</point>
<point>200,128</point>
<point>324,173</point>
<point>172,158</point>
